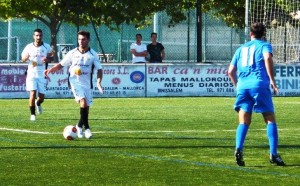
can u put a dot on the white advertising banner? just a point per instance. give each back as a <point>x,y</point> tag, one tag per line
<point>288,79</point>
<point>188,80</point>
<point>122,81</point>
<point>118,81</point>
<point>148,80</point>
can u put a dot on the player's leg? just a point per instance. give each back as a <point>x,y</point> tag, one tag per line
<point>31,87</point>
<point>242,129</point>
<point>272,133</point>
<point>83,97</point>
<point>41,87</point>
<point>79,96</point>
<point>266,107</point>
<point>243,105</point>
<point>32,96</point>
<point>84,112</point>
<point>38,103</point>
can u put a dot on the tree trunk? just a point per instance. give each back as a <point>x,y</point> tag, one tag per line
<point>53,44</point>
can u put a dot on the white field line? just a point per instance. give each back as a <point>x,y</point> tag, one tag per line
<point>134,131</point>
<point>293,103</point>
<point>25,131</point>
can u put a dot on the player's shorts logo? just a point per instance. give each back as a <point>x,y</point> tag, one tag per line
<point>137,77</point>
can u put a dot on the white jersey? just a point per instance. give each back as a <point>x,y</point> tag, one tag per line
<point>36,67</point>
<point>80,66</point>
<point>138,48</point>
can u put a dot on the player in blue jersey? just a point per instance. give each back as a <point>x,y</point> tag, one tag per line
<point>251,71</point>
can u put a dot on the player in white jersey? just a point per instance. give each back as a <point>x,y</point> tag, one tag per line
<point>81,62</point>
<point>138,50</point>
<point>37,55</point>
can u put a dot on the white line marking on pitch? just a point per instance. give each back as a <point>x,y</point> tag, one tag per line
<point>25,131</point>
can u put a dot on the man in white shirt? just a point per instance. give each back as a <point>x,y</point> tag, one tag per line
<point>138,50</point>
<point>81,62</point>
<point>36,54</point>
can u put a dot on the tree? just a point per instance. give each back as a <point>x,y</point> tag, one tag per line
<point>114,12</point>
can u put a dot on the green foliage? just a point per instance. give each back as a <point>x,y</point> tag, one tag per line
<point>144,141</point>
<point>231,12</point>
<point>111,12</point>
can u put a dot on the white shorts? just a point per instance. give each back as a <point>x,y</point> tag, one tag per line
<point>38,84</point>
<point>80,92</point>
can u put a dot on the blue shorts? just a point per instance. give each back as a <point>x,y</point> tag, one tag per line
<point>258,100</point>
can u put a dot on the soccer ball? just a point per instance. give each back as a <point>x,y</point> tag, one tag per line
<point>70,132</point>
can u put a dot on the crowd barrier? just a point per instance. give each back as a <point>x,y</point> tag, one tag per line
<point>148,80</point>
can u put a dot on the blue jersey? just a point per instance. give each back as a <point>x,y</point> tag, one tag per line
<point>250,65</point>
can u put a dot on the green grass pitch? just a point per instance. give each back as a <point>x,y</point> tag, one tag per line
<point>145,141</point>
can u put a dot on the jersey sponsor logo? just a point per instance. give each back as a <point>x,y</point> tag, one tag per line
<point>137,77</point>
<point>34,63</point>
<point>78,71</point>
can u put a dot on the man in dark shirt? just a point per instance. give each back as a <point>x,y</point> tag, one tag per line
<point>156,50</point>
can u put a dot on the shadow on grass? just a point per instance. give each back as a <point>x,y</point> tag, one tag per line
<point>264,166</point>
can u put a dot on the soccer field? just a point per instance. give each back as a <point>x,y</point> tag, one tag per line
<point>145,141</point>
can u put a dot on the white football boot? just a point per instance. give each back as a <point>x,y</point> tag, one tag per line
<point>32,118</point>
<point>88,134</point>
<point>79,131</point>
<point>39,109</point>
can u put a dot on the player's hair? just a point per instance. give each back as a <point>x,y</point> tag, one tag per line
<point>84,33</point>
<point>38,30</point>
<point>139,35</point>
<point>153,33</point>
<point>258,29</point>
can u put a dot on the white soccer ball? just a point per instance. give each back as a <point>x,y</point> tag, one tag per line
<point>70,132</point>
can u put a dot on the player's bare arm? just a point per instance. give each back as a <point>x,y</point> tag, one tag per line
<point>99,76</point>
<point>49,57</point>
<point>269,67</point>
<point>25,58</point>
<point>55,68</point>
<point>99,80</point>
<point>232,74</point>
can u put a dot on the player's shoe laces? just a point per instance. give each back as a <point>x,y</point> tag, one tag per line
<point>32,118</point>
<point>239,157</point>
<point>276,159</point>
<point>79,132</point>
<point>88,134</point>
<point>39,109</point>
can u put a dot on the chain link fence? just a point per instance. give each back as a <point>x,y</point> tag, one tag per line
<point>218,41</point>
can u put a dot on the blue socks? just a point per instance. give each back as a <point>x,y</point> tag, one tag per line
<point>241,133</point>
<point>272,134</point>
